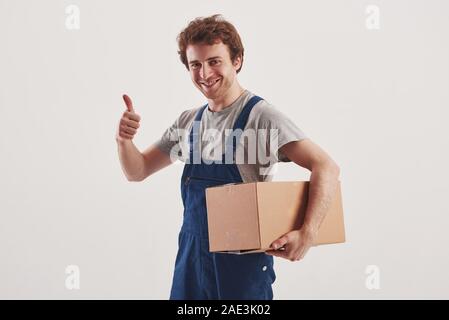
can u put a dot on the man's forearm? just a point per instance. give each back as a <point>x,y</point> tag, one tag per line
<point>131,160</point>
<point>322,187</point>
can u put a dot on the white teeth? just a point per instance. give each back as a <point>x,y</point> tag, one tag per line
<point>210,84</point>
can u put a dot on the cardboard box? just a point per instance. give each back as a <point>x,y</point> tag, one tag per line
<point>248,217</point>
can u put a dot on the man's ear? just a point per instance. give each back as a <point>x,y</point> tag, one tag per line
<point>237,62</point>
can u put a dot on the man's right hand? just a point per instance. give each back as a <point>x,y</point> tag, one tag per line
<point>129,123</point>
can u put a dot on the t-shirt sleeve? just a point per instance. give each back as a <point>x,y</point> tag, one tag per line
<point>171,140</point>
<point>281,130</point>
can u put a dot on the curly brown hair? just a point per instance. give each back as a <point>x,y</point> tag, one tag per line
<point>209,30</point>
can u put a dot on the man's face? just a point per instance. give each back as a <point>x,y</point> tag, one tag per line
<point>211,68</point>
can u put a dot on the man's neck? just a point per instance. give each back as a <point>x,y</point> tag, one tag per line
<point>219,104</point>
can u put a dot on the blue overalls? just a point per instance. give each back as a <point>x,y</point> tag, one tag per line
<point>200,274</point>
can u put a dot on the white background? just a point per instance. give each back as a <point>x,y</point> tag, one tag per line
<point>375,99</point>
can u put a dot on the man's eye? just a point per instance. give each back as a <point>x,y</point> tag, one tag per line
<point>213,62</point>
<point>195,65</point>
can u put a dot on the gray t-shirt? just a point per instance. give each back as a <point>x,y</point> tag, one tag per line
<point>266,131</point>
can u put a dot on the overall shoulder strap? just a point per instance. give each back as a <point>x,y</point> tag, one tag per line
<point>195,131</point>
<point>240,123</point>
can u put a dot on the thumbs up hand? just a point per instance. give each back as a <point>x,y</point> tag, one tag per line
<point>129,123</point>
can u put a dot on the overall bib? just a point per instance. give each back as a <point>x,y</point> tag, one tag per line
<point>200,274</point>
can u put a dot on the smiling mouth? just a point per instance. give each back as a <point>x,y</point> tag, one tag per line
<point>210,84</point>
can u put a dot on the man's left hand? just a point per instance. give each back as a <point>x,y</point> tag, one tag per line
<point>293,245</point>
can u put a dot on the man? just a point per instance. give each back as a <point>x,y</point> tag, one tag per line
<point>212,51</point>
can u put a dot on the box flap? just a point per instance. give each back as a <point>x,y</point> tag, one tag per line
<point>282,208</point>
<point>279,205</point>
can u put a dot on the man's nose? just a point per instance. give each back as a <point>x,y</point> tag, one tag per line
<point>205,71</point>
